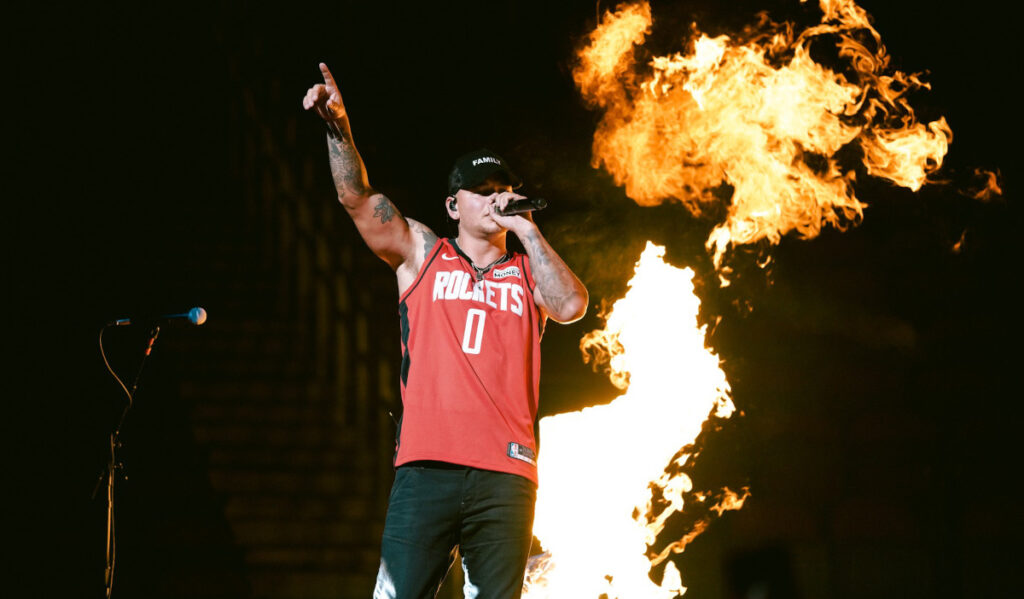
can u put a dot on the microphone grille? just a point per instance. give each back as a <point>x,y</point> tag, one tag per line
<point>197,316</point>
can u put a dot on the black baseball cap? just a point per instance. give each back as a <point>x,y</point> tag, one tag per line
<point>474,168</point>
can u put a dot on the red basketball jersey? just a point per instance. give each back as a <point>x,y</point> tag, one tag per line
<point>470,364</point>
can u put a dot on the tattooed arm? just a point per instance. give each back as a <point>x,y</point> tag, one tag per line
<point>558,292</point>
<point>396,240</point>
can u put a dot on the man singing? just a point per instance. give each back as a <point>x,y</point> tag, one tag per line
<point>472,314</point>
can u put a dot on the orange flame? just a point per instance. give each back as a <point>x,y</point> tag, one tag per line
<point>761,117</point>
<point>990,184</point>
<point>595,517</point>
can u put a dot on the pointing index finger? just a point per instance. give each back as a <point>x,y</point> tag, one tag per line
<point>328,78</point>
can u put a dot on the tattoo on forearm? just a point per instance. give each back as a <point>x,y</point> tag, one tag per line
<point>346,166</point>
<point>334,129</point>
<point>384,210</point>
<point>556,283</point>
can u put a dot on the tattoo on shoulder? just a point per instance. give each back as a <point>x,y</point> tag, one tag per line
<point>384,210</point>
<point>428,236</point>
<point>429,239</point>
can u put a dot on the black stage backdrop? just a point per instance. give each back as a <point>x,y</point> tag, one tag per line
<point>125,156</point>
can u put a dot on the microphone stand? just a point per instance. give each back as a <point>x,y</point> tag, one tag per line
<point>115,468</point>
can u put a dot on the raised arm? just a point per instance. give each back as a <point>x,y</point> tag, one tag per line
<point>398,241</point>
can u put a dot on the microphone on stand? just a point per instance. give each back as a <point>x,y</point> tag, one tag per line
<point>524,205</point>
<point>195,316</point>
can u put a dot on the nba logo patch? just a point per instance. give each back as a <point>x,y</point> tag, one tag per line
<point>522,452</point>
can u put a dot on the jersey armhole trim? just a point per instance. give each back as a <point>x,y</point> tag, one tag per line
<point>528,274</point>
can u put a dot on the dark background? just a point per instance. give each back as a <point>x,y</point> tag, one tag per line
<point>872,367</point>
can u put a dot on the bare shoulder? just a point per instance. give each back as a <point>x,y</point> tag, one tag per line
<point>423,240</point>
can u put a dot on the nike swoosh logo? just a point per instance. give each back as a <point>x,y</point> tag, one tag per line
<point>447,257</point>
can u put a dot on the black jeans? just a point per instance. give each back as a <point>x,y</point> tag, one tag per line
<point>435,508</point>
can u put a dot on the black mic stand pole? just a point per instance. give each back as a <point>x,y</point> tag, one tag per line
<point>116,468</point>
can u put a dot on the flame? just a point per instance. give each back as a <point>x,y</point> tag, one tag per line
<point>759,121</point>
<point>761,118</point>
<point>595,513</point>
<point>990,184</point>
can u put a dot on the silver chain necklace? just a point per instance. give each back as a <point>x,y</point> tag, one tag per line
<point>480,272</point>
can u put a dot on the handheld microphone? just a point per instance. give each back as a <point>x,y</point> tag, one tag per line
<point>524,205</point>
<point>196,316</point>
